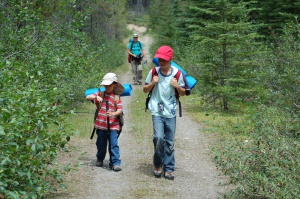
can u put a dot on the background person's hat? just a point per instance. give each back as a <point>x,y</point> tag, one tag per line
<point>164,52</point>
<point>108,79</point>
<point>135,35</point>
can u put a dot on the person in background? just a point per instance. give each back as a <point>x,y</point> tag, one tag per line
<point>162,106</point>
<point>112,88</point>
<point>136,52</point>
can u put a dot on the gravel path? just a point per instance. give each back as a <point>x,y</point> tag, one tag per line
<point>196,177</point>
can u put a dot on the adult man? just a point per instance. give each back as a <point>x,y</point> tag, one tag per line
<point>136,51</point>
<point>162,106</point>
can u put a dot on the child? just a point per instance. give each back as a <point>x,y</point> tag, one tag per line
<point>113,89</point>
<point>162,106</point>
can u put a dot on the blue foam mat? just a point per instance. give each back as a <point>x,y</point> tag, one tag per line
<point>127,90</point>
<point>190,80</point>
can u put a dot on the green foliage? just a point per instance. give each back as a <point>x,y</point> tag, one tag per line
<point>279,75</point>
<point>282,72</point>
<point>27,144</point>
<point>47,62</point>
<point>273,14</point>
<point>223,50</point>
<point>263,162</point>
<point>162,22</point>
<point>105,20</point>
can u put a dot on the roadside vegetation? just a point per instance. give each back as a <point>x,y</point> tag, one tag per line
<point>50,54</point>
<point>244,55</point>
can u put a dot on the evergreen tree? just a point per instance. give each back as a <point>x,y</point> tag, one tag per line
<point>223,45</point>
<point>274,15</point>
<point>162,21</point>
<point>280,74</point>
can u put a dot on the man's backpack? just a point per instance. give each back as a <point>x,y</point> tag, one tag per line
<point>177,75</point>
<point>129,56</point>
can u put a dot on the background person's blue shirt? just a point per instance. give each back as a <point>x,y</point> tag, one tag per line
<point>136,49</point>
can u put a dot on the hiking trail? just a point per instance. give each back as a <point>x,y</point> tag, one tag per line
<point>196,176</point>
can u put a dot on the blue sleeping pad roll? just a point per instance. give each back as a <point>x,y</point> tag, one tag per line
<point>190,80</point>
<point>127,90</point>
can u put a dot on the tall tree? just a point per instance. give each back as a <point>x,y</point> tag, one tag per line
<point>162,22</point>
<point>106,19</point>
<point>223,41</point>
<point>274,15</point>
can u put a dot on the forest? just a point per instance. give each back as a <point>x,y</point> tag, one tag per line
<point>243,53</point>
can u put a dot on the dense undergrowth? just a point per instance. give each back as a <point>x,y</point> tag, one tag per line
<point>46,66</point>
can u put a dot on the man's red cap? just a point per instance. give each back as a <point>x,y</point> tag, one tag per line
<point>164,52</point>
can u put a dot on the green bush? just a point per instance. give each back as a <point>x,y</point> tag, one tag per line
<point>46,66</point>
<point>263,163</point>
<point>27,143</point>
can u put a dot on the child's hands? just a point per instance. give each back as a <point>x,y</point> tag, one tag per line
<point>110,113</point>
<point>174,83</point>
<point>98,98</point>
<point>155,79</point>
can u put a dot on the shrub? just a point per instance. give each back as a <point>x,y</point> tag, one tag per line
<point>265,162</point>
<point>27,143</point>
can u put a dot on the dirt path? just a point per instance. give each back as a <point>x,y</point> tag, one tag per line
<point>196,176</point>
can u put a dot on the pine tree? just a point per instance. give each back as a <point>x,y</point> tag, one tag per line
<point>274,14</point>
<point>224,41</point>
<point>162,21</point>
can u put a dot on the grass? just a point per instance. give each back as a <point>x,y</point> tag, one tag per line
<point>213,121</point>
<point>82,128</point>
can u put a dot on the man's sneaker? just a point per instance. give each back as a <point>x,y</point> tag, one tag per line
<point>140,83</point>
<point>117,168</point>
<point>99,163</point>
<point>157,172</point>
<point>169,175</point>
<point>135,83</point>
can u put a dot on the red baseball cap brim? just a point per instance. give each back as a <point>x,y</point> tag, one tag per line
<point>164,52</point>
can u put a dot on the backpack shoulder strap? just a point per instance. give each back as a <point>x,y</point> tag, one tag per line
<point>101,94</point>
<point>177,75</point>
<point>131,46</point>
<point>154,72</point>
<point>117,98</point>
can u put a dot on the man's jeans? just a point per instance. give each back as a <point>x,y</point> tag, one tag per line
<point>163,140</point>
<point>101,144</point>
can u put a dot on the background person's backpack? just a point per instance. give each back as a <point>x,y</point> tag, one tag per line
<point>129,56</point>
<point>177,75</point>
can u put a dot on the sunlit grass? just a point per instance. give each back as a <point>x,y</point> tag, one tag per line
<point>141,122</point>
<point>81,122</point>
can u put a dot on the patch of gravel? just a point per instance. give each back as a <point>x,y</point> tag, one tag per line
<point>196,176</point>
